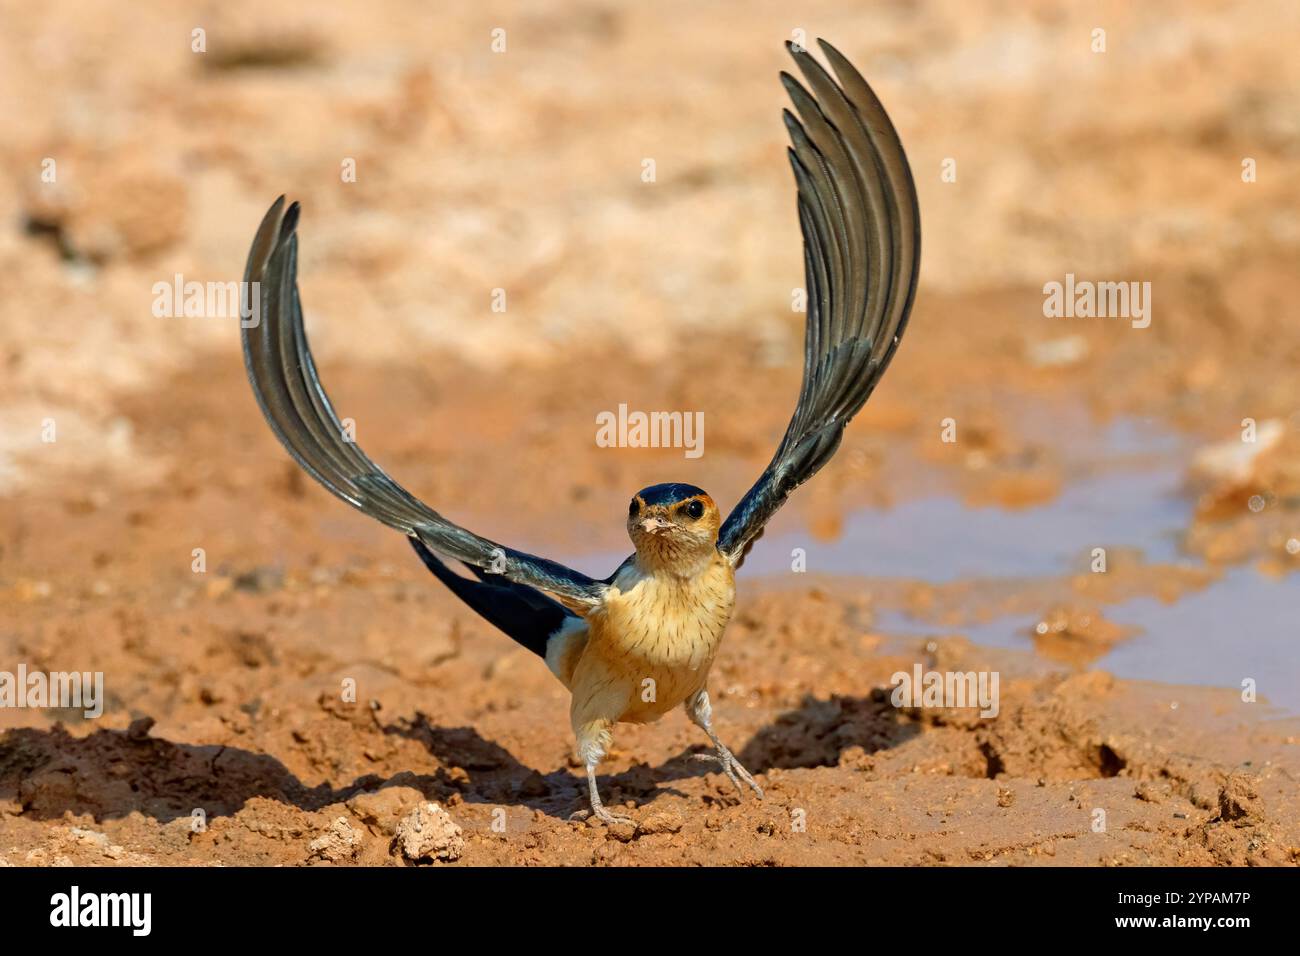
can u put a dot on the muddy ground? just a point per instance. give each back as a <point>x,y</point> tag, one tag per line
<point>522,171</point>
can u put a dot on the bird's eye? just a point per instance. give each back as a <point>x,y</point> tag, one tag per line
<point>695,509</point>
<point>633,508</point>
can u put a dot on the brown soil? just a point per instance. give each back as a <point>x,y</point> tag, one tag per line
<point>521,171</point>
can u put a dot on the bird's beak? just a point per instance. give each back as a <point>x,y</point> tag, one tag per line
<point>655,523</point>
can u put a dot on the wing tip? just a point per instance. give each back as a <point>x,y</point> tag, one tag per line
<point>800,170</point>
<point>844,69</point>
<point>792,124</point>
<point>828,49</point>
<point>289,223</point>
<point>796,51</point>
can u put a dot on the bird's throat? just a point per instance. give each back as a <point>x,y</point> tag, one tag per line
<point>660,554</point>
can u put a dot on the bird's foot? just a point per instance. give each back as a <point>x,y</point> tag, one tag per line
<point>603,815</point>
<point>733,769</point>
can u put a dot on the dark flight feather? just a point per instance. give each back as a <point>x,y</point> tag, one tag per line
<point>289,391</point>
<point>862,241</point>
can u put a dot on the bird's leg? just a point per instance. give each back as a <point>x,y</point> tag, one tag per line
<point>700,711</point>
<point>593,739</point>
<point>597,808</point>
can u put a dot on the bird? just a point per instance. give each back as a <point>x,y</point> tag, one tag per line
<point>639,643</point>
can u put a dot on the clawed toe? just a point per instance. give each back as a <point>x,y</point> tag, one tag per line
<point>732,768</point>
<point>603,815</point>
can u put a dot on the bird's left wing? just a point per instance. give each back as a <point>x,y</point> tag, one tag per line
<point>862,243</point>
<point>284,379</point>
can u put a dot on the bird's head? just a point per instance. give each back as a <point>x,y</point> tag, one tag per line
<point>674,526</point>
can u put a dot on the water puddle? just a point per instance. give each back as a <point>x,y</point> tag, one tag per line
<point>1242,626</point>
<point>1125,493</point>
<point>939,539</point>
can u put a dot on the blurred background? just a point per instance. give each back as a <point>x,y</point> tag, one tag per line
<point>444,152</point>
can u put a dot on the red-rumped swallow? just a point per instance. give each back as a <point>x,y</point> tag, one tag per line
<point>640,642</point>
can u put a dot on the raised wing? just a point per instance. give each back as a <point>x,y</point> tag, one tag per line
<point>284,379</point>
<point>862,244</point>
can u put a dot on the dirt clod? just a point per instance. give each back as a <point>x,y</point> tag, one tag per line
<point>338,843</point>
<point>429,832</point>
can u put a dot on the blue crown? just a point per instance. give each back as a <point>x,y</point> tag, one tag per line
<point>668,493</point>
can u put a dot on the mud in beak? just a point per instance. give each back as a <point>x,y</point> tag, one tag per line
<point>654,524</point>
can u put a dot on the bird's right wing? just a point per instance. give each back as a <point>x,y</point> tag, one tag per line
<point>284,379</point>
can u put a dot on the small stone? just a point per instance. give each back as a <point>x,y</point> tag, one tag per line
<point>1237,798</point>
<point>27,591</point>
<point>1058,353</point>
<point>429,832</point>
<point>1145,791</point>
<point>1234,460</point>
<point>660,821</point>
<point>384,809</point>
<point>622,832</point>
<point>90,838</point>
<point>340,842</point>
<point>259,580</point>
